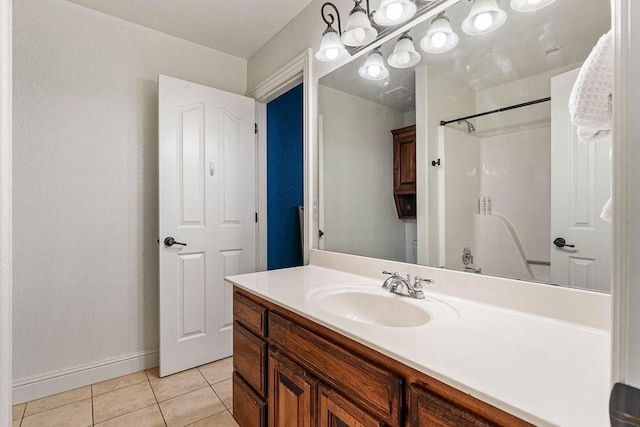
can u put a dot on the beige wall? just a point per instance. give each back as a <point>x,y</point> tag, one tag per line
<point>85,182</point>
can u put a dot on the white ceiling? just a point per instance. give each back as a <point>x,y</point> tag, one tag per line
<point>514,51</point>
<point>237,27</point>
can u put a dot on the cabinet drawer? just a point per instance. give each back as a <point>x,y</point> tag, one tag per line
<point>249,314</point>
<point>429,409</point>
<point>248,409</point>
<point>371,387</point>
<point>250,358</point>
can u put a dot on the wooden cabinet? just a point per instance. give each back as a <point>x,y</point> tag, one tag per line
<point>404,171</point>
<point>249,362</point>
<point>313,376</point>
<point>375,389</point>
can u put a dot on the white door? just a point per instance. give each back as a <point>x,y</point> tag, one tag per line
<point>580,186</point>
<point>207,202</point>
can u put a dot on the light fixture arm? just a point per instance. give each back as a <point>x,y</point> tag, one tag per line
<point>329,18</point>
<point>405,35</point>
<point>357,7</point>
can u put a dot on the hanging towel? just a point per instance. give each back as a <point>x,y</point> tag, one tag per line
<point>590,103</point>
<point>607,210</point>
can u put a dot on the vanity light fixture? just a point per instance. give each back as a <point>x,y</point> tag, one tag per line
<point>359,30</point>
<point>393,12</point>
<point>440,36</point>
<point>484,17</point>
<point>529,5</point>
<point>404,53</point>
<point>331,47</point>
<point>373,68</point>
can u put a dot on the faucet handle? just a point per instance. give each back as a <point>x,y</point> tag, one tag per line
<point>391,274</point>
<point>419,281</point>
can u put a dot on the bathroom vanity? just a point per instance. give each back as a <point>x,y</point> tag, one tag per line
<point>313,344</point>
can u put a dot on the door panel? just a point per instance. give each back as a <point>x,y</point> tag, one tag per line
<point>207,202</point>
<point>580,186</point>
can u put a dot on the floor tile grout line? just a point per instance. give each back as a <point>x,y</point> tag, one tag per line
<point>116,389</point>
<point>122,388</point>
<point>93,421</point>
<point>156,398</point>
<point>54,407</point>
<point>126,413</point>
<point>57,407</point>
<point>182,394</point>
<point>220,398</point>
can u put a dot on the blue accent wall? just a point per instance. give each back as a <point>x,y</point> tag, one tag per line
<point>284,179</point>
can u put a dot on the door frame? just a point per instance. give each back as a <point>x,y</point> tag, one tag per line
<point>298,70</point>
<point>625,345</point>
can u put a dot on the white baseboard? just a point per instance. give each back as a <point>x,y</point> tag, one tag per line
<point>35,387</point>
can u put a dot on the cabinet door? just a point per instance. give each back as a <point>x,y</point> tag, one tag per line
<point>336,411</point>
<point>404,160</point>
<point>292,394</point>
<point>430,410</point>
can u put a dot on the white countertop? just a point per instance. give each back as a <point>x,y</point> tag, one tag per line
<point>545,371</point>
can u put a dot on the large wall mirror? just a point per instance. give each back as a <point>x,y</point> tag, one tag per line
<point>515,193</point>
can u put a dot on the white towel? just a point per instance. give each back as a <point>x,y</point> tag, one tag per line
<point>607,209</point>
<point>590,103</point>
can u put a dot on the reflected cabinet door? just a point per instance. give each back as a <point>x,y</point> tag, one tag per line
<point>292,395</point>
<point>336,411</point>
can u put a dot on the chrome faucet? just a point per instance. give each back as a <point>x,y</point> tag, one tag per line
<point>396,283</point>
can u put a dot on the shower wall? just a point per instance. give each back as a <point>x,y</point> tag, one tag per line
<point>509,158</point>
<point>460,196</point>
<point>516,173</point>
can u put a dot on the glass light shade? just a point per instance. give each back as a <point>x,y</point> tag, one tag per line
<point>359,30</point>
<point>331,47</point>
<point>529,5</point>
<point>440,37</point>
<point>484,17</point>
<point>393,12</point>
<point>373,68</point>
<point>404,54</point>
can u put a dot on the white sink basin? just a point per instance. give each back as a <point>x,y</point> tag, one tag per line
<point>375,306</point>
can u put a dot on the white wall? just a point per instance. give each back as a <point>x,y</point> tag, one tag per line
<point>85,174</point>
<point>460,163</point>
<point>446,99</point>
<point>359,210</point>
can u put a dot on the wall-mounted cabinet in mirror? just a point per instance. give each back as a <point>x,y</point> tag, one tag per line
<point>519,193</point>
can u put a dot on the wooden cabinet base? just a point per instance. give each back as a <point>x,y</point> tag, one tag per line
<point>317,377</point>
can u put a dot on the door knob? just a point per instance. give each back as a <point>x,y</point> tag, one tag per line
<point>561,243</point>
<point>170,241</point>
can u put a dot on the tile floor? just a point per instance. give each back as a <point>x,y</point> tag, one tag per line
<point>199,397</point>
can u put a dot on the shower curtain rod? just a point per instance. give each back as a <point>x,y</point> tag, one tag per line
<point>499,110</point>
